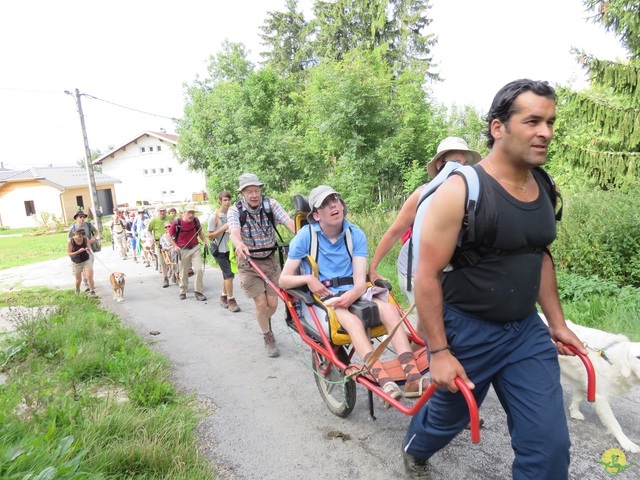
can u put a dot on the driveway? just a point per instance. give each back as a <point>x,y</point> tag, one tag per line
<point>266,418</point>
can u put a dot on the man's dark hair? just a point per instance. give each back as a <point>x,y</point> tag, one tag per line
<point>502,107</point>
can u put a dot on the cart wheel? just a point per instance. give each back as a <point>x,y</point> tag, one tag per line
<point>340,397</point>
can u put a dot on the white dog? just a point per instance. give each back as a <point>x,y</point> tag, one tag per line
<point>616,361</point>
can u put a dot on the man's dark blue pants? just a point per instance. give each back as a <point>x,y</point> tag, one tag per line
<point>521,362</point>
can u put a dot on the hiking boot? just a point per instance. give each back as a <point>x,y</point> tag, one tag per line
<point>233,305</point>
<point>92,294</point>
<point>183,296</point>
<point>224,301</point>
<point>270,345</point>
<point>87,289</point>
<point>414,468</point>
<point>165,284</point>
<point>200,297</point>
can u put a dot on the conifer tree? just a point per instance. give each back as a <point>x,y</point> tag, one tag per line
<point>284,34</point>
<point>601,133</point>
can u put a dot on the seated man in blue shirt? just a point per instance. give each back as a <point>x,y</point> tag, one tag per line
<point>334,260</point>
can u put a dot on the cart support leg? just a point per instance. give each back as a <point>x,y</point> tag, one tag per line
<point>370,399</point>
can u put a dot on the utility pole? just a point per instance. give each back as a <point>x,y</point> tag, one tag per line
<point>90,175</point>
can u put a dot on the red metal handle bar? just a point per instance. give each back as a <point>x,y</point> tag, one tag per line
<point>591,373</point>
<point>474,417</point>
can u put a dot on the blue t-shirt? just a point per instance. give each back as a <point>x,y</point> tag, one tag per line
<point>333,258</point>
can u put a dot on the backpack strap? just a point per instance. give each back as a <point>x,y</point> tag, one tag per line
<point>471,257</point>
<point>266,208</point>
<point>472,186</point>
<point>313,253</point>
<point>554,194</point>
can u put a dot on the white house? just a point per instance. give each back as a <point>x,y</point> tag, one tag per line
<point>27,195</point>
<point>150,172</point>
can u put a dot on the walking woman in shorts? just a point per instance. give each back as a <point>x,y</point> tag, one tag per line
<point>78,249</point>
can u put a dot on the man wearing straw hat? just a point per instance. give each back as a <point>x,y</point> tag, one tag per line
<point>183,235</point>
<point>256,238</point>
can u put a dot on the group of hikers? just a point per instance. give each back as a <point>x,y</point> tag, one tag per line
<point>475,289</point>
<point>475,270</point>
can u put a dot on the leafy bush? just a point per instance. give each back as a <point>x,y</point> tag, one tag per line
<point>600,235</point>
<point>47,223</point>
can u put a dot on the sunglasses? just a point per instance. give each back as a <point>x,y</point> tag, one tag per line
<point>167,226</point>
<point>331,198</point>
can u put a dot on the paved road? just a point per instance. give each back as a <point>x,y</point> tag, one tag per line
<point>268,420</point>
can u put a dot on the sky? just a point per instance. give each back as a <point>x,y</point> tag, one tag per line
<point>139,54</point>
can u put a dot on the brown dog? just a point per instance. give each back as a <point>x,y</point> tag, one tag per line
<point>117,285</point>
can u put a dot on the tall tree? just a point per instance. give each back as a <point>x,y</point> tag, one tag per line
<point>231,64</point>
<point>395,26</point>
<point>284,34</point>
<point>599,130</point>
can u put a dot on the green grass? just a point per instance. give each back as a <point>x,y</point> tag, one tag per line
<point>15,231</point>
<point>85,397</point>
<point>18,251</point>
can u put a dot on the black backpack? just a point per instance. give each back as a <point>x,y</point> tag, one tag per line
<point>266,208</point>
<point>470,257</point>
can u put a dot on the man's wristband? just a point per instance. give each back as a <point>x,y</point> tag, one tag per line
<point>441,349</point>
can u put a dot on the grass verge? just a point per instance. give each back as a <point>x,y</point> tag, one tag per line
<point>18,251</point>
<point>84,397</point>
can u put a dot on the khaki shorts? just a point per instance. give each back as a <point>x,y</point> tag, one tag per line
<point>252,284</point>
<point>77,268</point>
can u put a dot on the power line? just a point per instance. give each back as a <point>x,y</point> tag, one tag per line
<point>128,108</point>
<point>25,90</point>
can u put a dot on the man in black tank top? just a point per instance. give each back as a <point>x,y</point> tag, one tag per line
<point>481,322</point>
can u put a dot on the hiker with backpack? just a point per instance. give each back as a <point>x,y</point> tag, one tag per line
<point>252,225</point>
<point>477,297</point>
<point>451,149</point>
<point>340,251</point>
<point>218,233</point>
<point>184,233</point>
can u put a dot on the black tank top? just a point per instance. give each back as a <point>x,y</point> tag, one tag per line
<point>504,286</point>
<point>81,257</point>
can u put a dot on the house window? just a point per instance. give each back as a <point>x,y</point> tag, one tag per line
<point>164,192</point>
<point>153,171</point>
<point>146,172</point>
<point>151,149</point>
<point>159,147</point>
<point>172,192</point>
<point>142,149</point>
<point>162,170</point>
<point>29,208</point>
<point>169,170</point>
<point>80,202</point>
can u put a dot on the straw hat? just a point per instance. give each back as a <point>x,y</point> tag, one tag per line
<point>447,145</point>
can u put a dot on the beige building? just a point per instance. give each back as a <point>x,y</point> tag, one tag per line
<point>26,195</point>
<point>150,172</point>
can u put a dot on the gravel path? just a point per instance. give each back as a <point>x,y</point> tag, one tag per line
<point>266,418</point>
